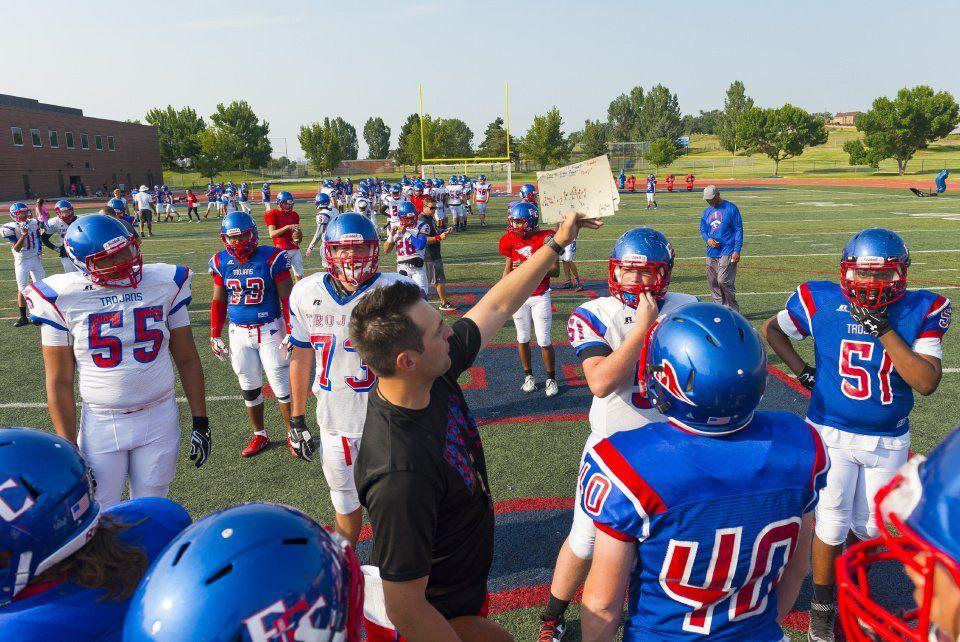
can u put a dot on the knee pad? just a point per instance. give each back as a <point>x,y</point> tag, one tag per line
<point>252,398</point>
<point>284,399</point>
<point>832,526</point>
<point>345,501</point>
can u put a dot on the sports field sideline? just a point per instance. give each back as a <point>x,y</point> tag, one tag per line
<point>793,233</point>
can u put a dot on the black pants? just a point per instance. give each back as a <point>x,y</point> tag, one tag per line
<point>193,210</point>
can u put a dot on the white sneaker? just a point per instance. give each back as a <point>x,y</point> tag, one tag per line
<point>552,388</point>
<point>529,384</point>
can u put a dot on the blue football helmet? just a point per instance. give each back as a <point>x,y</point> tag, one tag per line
<point>46,502</point>
<point>252,572</point>
<point>322,201</point>
<point>528,193</point>
<point>453,179</point>
<point>917,514</point>
<point>64,210</point>
<point>395,190</point>
<point>407,212</point>
<point>482,178</point>
<point>357,232</point>
<point>418,187</point>
<point>19,212</point>
<point>523,218</point>
<point>648,251</point>
<point>438,182</point>
<point>428,183</point>
<point>117,206</point>
<point>328,182</point>
<point>93,238</point>
<point>285,200</point>
<point>705,367</point>
<point>238,231</point>
<point>405,181</point>
<point>873,268</point>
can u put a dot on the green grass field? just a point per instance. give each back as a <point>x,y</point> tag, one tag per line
<point>792,235</point>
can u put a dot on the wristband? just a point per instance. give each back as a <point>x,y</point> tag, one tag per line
<point>201,423</point>
<point>553,245</point>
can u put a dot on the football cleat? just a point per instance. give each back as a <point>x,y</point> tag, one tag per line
<point>552,629</point>
<point>551,389</point>
<point>256,446</point>
<point>529,384</point>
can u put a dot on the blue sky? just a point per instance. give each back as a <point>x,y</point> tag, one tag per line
<point>296,62</point>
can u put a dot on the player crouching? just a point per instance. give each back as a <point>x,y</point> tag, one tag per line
<point>251,287</point>
<point>320,309</point>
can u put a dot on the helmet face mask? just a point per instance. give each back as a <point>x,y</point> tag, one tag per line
<point>352,261</point>
<point>873,282</point>
<point>19,212</point>
<point>632,275</point>
<point>121,266</point>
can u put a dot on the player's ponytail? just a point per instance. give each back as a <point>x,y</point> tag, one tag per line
<point>105,562</point>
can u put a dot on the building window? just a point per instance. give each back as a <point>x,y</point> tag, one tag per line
<point>35,135</point>
<point>17,136</point>
<point>111,144</point>
<point>98,142</point>
<point>84,141</point>
<point>54,138</point>
<point>69,139</point>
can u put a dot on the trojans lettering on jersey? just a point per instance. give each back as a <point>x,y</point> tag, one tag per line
<point>251,297</point>
<point>120,335</point>
<point>857,388</point>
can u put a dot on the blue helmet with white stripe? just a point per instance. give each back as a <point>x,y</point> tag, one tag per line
<point>105,250</point>
<point>19,211</point>
<point>46,502</point>
<point>528,193</point>
<point>646,251</point>
<point>352,248</point>
<point>321,201</point>
<point>116,205</point>
<point>705,367</point>
<point>873,268</point>
<point>407,213</point>
<point>238,231</point>
<point>64,210</point>
<point>285,199</point>
<point>523,218</point>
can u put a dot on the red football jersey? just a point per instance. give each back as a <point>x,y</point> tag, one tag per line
<point>520,249</point>
<point>278,218</point>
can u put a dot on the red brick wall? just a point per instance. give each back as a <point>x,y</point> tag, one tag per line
<point>137,153</point>
<point>345,168</point>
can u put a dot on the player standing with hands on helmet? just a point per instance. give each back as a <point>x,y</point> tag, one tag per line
<point>875,344</point>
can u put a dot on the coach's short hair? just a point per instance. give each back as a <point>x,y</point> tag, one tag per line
<point>381,328</point>
<point>429,199</point>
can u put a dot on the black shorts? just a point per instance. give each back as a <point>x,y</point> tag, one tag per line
<point>146,216</point>
<point>435,275</point>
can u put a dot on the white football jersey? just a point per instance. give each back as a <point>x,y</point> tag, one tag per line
<point>482,192</point>
<point>57,225</point>
<point>31,248</point>
<point>454,194</point>
<point>320,318</point>
<point>332,193</point>
<point>603,324</point>
<point>120,336</point>
<point>411,242</point>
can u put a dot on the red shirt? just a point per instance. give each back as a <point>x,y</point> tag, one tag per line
<point>191,199</point>
<point>516,248</point>
<point>279,218</point>
<point>417,202</point>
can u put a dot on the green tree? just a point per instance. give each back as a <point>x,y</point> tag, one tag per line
<point>660,117</point>
<point>624,116</point>
<point>901,127</point>
<point>408,141</point>
<point>662,152</point>
<point>735,104</point>
<point>706,122</point>
<point>178,132</point>
<point>219,149</point>
<point>377,136</point>
<point>347,136</point>
<point>321,144</point>
<point>494,140</point>
<point>593,138</point>
<point>454,138</point>
<point>238,118</point>
<point>544,142</point>
<point>780,133</point>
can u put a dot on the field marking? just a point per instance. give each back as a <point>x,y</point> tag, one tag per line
<point>35,404</point>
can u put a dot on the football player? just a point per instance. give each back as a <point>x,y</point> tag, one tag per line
<point>117,323</point>
<point>23,233</point>
<point>455,204</point>
<point>212,199</point>
<point>325,214</point>
<point>320,308</point>
<point>265,196</point>
<point>330,189</point>
<point>528,193</point>
<point>283,226</point>
<point>251,288</point>
<point>244,197</point>
<point>917,517</point>
<point>875,343</point>
<point>410,239</point>
<point>439,194</point>
<point>392,201</point>
<point>518,244</point>
<point>258,572</point>
<point>58,225</point>
<point>607,335</point>
<point>709,514</point>
<point>481,194</point>
<point>169,204</point>
<point>466,186</point>
<point>651,191</point>
<point>69,565</point>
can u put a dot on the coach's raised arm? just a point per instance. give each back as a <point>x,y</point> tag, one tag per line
<point>421,472</point>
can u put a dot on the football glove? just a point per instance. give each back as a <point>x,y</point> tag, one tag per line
<point>220,349</point>
<point>875,322</point>
<point>808,377</point>
<point>286,347</point>
<point>200,441</point>
<point>300,440</point>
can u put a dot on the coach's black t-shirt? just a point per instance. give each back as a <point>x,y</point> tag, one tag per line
<point>422,477</point>
<point>433,249</point>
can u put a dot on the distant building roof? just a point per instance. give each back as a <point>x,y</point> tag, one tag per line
<point>7,100</point>
<point>847,113</point>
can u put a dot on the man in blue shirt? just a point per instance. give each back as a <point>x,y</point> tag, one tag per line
<point>722,230</point>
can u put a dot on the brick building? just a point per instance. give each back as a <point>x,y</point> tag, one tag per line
<point>44,148</point>
<point>844,118</point>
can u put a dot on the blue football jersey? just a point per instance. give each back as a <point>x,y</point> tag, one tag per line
<point>716,519</point>
<point>857,388</point>
<point>252,296</point>
<point>67,611</point>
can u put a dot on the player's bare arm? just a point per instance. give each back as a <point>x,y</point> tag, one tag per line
<point>921,372</point>
<point>18,244</point>
<point>606,587</point>
<point>782,345</point>
<point>59,366</point>
<point>504,298</point>
<point>606,374</point>
<point>507,267</point>
<point>183,349</point>
<point>412,615</point>
<point>796,569</point>
<point>301,364</point>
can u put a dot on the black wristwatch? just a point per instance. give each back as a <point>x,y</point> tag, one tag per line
<point>553,245</point>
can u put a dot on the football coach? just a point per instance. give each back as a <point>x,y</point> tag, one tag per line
<point>421,472</point>
<point>721,227</point>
